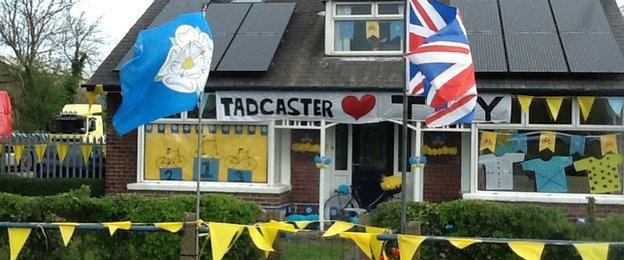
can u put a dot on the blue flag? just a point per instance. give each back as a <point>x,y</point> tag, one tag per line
<point>167,73</point>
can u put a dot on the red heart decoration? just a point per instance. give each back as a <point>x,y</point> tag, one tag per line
<point>358,108</point>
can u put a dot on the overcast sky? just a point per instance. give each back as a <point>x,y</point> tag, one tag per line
<point>117,16</point>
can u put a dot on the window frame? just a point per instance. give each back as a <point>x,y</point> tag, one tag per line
<point>543,197</point>
<point>276,183</point>
<point>331,17</point>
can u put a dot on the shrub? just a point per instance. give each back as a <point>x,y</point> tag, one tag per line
<point>464,218</point>
<point>48,186</point>
<point>77,206</point>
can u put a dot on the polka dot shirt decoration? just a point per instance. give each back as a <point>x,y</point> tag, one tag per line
<point>603,173</point>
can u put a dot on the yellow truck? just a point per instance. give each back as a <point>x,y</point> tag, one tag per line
<point>78,122</point>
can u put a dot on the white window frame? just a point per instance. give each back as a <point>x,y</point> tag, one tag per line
<point>540,197</point>
<point>274,185</point>
<point>330,17</point>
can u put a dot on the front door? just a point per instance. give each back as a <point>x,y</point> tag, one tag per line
<point>373,147</point>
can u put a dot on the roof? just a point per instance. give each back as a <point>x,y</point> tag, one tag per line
<point>300,63</point>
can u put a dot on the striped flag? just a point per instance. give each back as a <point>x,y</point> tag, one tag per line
<point>440,63</point>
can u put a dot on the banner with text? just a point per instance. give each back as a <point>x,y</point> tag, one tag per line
<point>341,107</point>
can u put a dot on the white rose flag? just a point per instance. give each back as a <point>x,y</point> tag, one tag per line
<point>167,73</point>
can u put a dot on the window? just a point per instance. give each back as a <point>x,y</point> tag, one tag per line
<point>540,113</point>
<point>365,28</point>
<point>342,147</point>
<point>585,162</point>
<point>601,113</point>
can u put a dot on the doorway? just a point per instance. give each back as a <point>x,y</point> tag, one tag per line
<point>373,154</point>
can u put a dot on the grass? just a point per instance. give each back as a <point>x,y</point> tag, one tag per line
<point>314,247</point>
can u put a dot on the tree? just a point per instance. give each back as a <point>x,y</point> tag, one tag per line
<point>48,49</point>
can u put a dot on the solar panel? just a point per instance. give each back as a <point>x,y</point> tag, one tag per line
<point>586,36</point>
<point>175,8</point>
<point>535,52</point>
<point>256,42</point>
<point>592,52</point>
<point>527,16</point>
<point>488,52</point>
<point>224,19</point>
<point>479,16</point>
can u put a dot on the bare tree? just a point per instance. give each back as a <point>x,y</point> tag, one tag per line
<point>40,37</point>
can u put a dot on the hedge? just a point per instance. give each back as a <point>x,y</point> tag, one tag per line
<point>78,206</point>
<point>47,186</point>
<point>467,218</point>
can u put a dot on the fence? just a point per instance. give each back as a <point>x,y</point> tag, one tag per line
<point>43,155</point>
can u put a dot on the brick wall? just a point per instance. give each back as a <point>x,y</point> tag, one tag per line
<point>442,179</point>
<point>304,176</point>
<point>121,152</point>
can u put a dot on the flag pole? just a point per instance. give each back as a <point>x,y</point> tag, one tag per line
<point>404,125</point>
<point>200,133</point>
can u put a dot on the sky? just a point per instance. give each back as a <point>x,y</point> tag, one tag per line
<point>117,16</point>
<point>620,2</point>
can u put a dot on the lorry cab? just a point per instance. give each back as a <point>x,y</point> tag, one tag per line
<point>79,122</point>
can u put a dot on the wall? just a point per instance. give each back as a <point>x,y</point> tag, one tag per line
<point>442,179</point>
<point>121,152</point>
<point>304,176</point>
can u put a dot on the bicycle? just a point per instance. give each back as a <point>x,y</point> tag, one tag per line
<point>345,205</point>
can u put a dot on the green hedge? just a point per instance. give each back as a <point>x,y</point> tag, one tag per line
<point>464,218</point>
<point>78,206</point>
<point>48,186</point>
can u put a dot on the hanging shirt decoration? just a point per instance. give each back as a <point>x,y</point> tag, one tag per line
<point>577,144</point>
<point>499,170</point>
<point>549,175</point>
<point>603,174</point>
<point>396,29</point>
<point>345,29</point>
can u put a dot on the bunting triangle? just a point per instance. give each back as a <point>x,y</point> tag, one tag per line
<point>616,104</point>
<point>593,251</point>
<point>337,228</point>
<point>527,250</point>
<point>363,241</point>
<point>113,226</point>
<point>586,104</point>
<point>222,237</point>
<point>525,103</point>
<point>554,105</point>
<point>67,231</point>
<point>62,151</point>
<point>18,151</point>
<point>408,245</point>
<point>302,224</point>
<point>40,151</point>
<point>259,240</point>
<point>90,98</point>
<point>85,150</point>
<point>99,89</point>
<point>172,227</point>
<point>462,243</point>
<point>17,239</point>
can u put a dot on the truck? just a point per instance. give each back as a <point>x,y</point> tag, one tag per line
<point>78,123</point>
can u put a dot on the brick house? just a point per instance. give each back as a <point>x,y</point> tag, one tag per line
<point>549,74</point>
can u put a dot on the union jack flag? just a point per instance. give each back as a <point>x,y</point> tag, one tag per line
<point>440,63</point>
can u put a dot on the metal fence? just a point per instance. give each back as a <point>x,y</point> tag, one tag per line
<point>43,155</point>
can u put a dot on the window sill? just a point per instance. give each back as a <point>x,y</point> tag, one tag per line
<point>545,197</point>
<point>209,187</point>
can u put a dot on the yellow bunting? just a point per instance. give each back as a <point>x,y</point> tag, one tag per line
<point>525,103</point>
<point>363,241</point>
<point>259,240</point>
<point>593,251</point>
<point>113,226</point>
<point>488,141</point>
<point>99,89</point>
<point>337,228</point>
<point>547,141</point>
<point>85,150</point>
<point>67,231</point>
<point>586,104</point>
<point>90,98</point>
<point>376,244</point>
<point>62,151</point>
<point>18,150</point>
<point>222,237</point>
<point>372,29</point>
<point>279,226</point>
<point>554,105</point>
<point>527,250</point>
<point>376,230</point>
<point>408,245</point>
<point>172,227</point>
<point>608,143</point>
<point>302,224</point>
<point>40,151</point>
<point>17,239</point>
<point>104,150</point>
<point>462,243</point>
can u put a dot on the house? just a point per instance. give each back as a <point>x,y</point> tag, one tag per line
<point>293,79</point>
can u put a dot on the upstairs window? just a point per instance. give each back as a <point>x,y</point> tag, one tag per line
<point>364,28</point>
